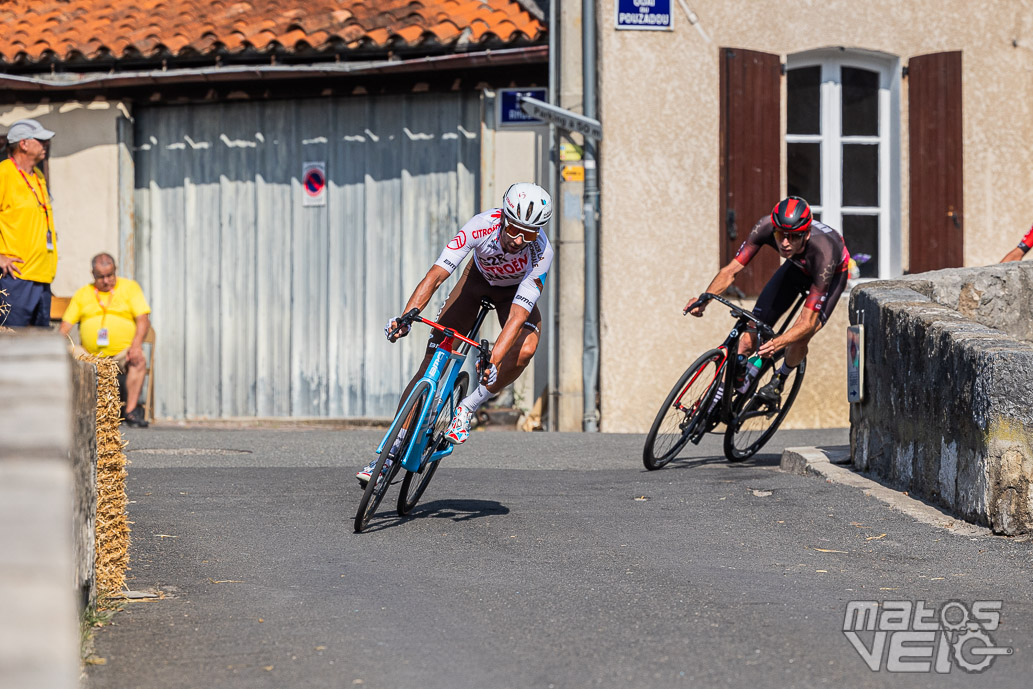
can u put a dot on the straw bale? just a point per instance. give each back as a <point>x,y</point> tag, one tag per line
<point>112,525</point>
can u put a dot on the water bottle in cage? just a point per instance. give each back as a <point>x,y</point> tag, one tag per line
<point>753,366</point>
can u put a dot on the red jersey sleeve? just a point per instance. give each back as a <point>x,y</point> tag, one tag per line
<point>1027,242</point>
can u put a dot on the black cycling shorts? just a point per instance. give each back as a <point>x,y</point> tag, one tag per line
<point>789,282</point>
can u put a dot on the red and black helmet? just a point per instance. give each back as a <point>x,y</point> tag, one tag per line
<point>791,214</point>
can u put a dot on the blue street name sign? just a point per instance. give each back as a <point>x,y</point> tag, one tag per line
<point>644,15</point>
<point>510,112</point>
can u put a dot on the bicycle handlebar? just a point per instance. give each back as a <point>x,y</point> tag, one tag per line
<point>413,316</point>
<point>765,330</point>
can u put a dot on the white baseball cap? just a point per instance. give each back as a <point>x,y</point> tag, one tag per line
<point>28,129</point>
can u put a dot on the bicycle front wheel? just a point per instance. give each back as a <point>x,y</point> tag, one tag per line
<point>415,482</point>
<point>685,411</point>
<point>756,421</point>
<point>380,480</point>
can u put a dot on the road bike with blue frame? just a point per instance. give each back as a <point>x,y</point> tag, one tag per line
<point>415,440</point>
<point>715,389</point>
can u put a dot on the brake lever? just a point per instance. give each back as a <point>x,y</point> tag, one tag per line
<point>405,320</point>
<point>483,357</point>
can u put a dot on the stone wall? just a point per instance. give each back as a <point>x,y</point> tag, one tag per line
<point>84,468</point>
<point>947,413</point>
<point>39,634</point>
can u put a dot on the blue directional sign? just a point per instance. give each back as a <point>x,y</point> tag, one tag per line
<point>510,112</point>
<point>644,15</point>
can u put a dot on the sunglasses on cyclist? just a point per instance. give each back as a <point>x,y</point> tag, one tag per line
<point>526,233</point>
<point>793,237</point>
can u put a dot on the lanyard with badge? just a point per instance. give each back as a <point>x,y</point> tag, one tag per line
<point>102,334</point>
<point>46,213</point>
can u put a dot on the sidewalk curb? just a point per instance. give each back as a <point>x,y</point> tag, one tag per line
<point>814,461</point>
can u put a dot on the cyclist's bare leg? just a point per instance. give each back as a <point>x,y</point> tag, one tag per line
<point>516,359</point>
<point>795,353</point>
<point>748,343</point>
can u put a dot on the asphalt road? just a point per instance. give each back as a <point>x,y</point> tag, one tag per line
<point>534,560</point>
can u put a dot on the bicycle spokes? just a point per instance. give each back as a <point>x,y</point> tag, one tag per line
<point>758,419</point>
<point>684,412</point>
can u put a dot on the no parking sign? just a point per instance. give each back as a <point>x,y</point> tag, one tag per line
<point>313,184</point>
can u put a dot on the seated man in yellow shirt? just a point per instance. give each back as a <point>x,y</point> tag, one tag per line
<point>113,320</point>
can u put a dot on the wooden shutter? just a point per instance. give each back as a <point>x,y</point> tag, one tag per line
<point>751,144</point>
<point>934,121</point>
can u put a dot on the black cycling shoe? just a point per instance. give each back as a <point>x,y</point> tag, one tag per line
<point>772,392</point>
<point>136,418</point>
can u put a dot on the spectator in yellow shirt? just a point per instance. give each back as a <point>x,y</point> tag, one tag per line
<point>28,244</point>
<point>113,320</point>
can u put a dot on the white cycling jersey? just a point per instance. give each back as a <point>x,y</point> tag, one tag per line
<point>527,268</point>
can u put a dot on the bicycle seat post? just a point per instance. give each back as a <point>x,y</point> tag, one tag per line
<point>486,306</point>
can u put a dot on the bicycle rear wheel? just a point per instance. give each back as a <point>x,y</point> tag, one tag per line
<point>756,421</point>
<point>378,484</point>
<point>416,482</point>
<point>684,414</point>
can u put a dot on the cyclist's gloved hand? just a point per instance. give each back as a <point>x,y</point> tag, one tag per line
<point>696,306</point>
<point>488,374</point>
<point>391,325</point>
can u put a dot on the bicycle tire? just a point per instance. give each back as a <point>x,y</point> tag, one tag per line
<point>742,441</point>
<point>415,482</point>
<point>377,487</point>
<point>676,421</point>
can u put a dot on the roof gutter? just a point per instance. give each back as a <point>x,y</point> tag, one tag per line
<point>109,80</point>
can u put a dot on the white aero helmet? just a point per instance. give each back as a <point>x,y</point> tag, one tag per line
<point>528,205</point>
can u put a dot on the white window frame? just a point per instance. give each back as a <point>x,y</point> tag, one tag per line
<point>831,61</point>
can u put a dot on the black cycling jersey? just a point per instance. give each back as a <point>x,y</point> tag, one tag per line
<point>823,259</point>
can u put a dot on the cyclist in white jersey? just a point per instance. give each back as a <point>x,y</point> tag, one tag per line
<point>511,258</point>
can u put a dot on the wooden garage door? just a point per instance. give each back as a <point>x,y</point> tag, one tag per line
<point>266,304</point>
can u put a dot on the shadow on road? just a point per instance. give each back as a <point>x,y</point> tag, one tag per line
<point>459,510</point>
<point>456,510</point>
<point>758,460</point>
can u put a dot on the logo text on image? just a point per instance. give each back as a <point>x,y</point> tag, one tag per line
<point>916,636</point>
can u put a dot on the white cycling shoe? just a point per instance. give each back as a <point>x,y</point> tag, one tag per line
<point>365,473</point>
<point>459,430</point>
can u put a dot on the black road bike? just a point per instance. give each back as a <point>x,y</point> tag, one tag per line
<point>716,390</point>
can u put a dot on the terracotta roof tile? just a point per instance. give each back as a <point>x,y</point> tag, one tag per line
<point>479,28</point>
<point>70,29</point>
<point>445,31</point>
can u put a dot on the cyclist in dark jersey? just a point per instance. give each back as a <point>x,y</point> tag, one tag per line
<point>817,264</point>
<point>1018,252</point>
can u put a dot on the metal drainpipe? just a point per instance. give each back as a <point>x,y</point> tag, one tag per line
<point>554,189</point>
<point>590,358</point>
